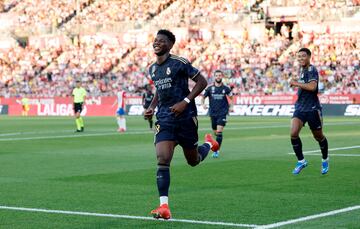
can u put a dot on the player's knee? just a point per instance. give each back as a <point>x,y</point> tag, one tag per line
<point>163,159</point>
<point>294,134</point>
<point>319,138</point>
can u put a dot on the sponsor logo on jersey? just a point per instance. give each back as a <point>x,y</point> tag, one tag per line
<point>162,84</point>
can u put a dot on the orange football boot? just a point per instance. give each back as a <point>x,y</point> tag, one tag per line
<point>162,212</point>
<point>215,145</point>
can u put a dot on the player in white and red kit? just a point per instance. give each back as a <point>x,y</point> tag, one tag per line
<point>120,112</point>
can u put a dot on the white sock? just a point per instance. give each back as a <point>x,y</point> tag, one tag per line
<point>164,200</point>
<point>123,123</point>
<point>119,122</point>
<point>323,160</point>
<point>302,161</point>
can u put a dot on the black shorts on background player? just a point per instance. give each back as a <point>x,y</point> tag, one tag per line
<point>78,107</point>
<point>219,120</point>
<point>313,118</point>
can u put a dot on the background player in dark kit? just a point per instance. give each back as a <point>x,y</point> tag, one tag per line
<point>307,109</point>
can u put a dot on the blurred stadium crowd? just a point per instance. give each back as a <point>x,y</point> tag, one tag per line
<point>260,65</point>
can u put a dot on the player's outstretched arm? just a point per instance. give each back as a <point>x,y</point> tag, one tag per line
<point>149,112</point>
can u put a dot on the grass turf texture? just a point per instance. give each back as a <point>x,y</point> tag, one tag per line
<point>44,164</point>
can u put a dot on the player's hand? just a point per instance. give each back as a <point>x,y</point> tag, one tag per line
<point>148,113</point>
<point>179,107</point>
<point>293,83</point>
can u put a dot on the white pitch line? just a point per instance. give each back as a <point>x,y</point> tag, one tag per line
<point>79,135</point>
<point>125,216</point>
<point>334,149</point>
<point>307,218</point>
<point>311,152</point>
<point>335,155</point>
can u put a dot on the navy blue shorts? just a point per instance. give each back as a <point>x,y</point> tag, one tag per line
<point>314,118</point>
<point>184,133</point>
<point>218,121</point>
<point>120,111</point>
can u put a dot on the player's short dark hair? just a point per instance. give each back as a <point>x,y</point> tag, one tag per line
<point>218,71</point>
<point>306,50</point>
<point>169,35</point>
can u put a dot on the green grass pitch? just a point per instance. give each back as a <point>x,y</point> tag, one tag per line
<point>45,165</point>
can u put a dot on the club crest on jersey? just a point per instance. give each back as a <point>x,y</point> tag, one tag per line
<point>223,91</point>
<point>212,89</point>
<point>168,71</point>
<point>153,70</point>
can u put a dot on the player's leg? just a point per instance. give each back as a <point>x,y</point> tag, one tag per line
<point>164,153</point>
<point>118,120</point>
<point>123,122</point>
<point>297,122</point>
<point>220,124</point>
<point>187,136</point>
<point>165,144</point>
<point>77,121</point>
<point>81,121</point>
<point>296,126</point>
<point>150,120</point>
<point>315,124</point>
<point>120,117</point>
<point>77,116</point>
<point>219,134</point>
<point>214,122</point>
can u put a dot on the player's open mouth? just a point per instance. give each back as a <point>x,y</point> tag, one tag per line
<point>157,48</point>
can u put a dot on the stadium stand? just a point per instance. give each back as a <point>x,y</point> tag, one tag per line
<point>102,51</point>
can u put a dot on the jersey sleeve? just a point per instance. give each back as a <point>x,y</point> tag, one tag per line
<point>151,70</point>
<point>228,91</point>
<point>207,92</point>
<point>190,71</point>
<point>314,75</point>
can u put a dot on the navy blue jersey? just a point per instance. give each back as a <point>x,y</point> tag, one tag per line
<point>308,100</point>
<point>171,79</point>
<point>147,98</point>
<point>218,102</point>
